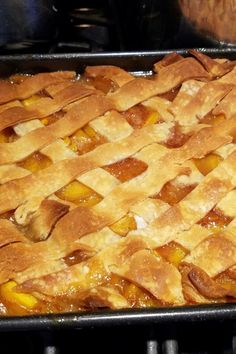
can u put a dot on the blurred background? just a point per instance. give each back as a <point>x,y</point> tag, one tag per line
<point>56,26</point>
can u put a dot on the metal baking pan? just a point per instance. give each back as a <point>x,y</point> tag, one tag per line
<point>141,64</point>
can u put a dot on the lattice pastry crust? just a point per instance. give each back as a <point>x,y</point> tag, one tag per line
<point>117,191</point>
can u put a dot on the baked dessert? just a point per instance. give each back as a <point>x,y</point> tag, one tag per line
<point>118,191</point>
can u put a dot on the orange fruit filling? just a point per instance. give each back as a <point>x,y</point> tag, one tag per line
<point>115,281</point>
<point>79,194</point>
<point>84,140</point>
<point>139,115</point>
<point>207,163</point>
<point>102,83</point>
<point>152,118</point>
<point>215,220</point>
<point>7,135</point>
<point>170,95</point>
<point>172,252</point>
<point>138,297</point>
<point>126,169</point>
<point>20,300</point>
<point>90,131</point>
<point>35,162</point>
<point>76,257</point>
<point>124,225</point>
<point>211,119</point>
<point>9,215</point>
<point>176,138</point>
<point>31,100</point>
<point>50,119</point>
<point>133,294</point>
<point>19,303</point>
<point>172,194</point>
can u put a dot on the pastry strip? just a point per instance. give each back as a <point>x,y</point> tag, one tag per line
<point>186,92</point>
<point>10,104</point>
<point>32,85</point>
<point>212,66</point>
<point>10,172</point>
<point>116,74</point>
<point>160,105</point>
<point>213,255</point>
<point>10,234</point>
<point>227,106</point>
<point>167,60</point>
<point>202,103</point>
<point>112,126</point>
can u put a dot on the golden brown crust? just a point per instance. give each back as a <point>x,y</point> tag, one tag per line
<point>114,73</point>
<point>213,255</point>
<point>187,91</point>
<point>190,293</point>
<point>228,78</point>
<point>15,258</point>
<point>16,114</point>
<point>160,278</point>
<point>203,102</point>
<point>167,60</point>
<point>15,103</point>
<point>227,105</point>
<point>52,90</point>
<point>206,286</point>
<point>213,67</point>
<point>77,223</point>
<point>10,172</point>
<point>231,272</point>
<point>9,233</point>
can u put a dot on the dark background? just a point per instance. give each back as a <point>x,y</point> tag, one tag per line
<point>56,26</point>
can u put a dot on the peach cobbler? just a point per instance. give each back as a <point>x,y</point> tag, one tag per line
<point>118,191</point>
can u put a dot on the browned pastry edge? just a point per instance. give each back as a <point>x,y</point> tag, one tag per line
<point>167,60</point>
<point>115,73</point>
<point>49,212</point>
<point>207,286</point>
<point>214,68</point>
<point>32,85</point>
